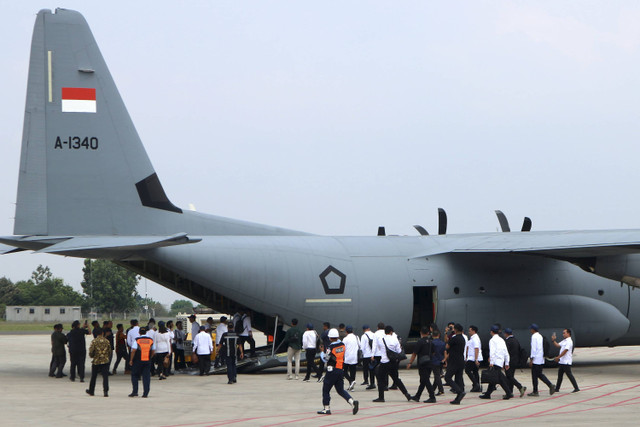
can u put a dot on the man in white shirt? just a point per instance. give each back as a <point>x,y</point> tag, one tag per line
<point>133,333</point>
<point>221,329</point>
<point>195,326</point>
<point>498,359</point>
<point>473,357</point>
<point>378,349</point>
<point>536,362</point>
<point>366,345</point>
<point>309,345</point>
<point>246,335</point>
<point>387,367</point>
<point>565,359</point>
<point>203,346</point>
<point>351,347</point>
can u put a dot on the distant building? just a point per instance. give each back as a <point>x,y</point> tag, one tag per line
<point>43,313</point>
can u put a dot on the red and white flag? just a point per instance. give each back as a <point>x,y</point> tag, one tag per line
<point>78,100</point>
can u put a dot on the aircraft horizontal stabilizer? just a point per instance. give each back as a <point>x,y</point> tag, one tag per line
<point>86,245</point>
<point>4,249</point>
<point>117,243</point>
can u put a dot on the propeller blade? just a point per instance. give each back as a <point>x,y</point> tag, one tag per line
<point>442,221</point>
<point>381,231</point>
<point>504,224</point>
<point>526,225</point>
<point>421,230</point>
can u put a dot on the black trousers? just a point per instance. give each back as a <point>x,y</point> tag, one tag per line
<point>536,373</point>
<point>425,372</point>
<point>510,373</point>
<point>310,355</point>
<point>251,341</point>
<point>159,361</point>
<point>471,369</point>
<point>386,370</point>
<point>77,363</point>
<point>350,372</point>
<point>335,378</point>
<point>437,380</point>
<point>178,359</point>
<point>566,369</point>
<point>502,380</point>
<point>204,363</point>
<point>232,372</point>
<point>367,373</point>
<point>138,370</point>
<point>99,369</point>
<point>122,354</point>
<point>454,371</point>
<point>57,363</point>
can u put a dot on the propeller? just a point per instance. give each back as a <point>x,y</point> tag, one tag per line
<point>381,231</point>
<point>526,225</point>
<point>421,230</point>
<point>504,224</point>
<point>442,221</point>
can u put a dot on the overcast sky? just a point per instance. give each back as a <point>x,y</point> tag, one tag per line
<point>336,117</point>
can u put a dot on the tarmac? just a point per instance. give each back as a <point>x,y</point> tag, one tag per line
<point>609,379</point>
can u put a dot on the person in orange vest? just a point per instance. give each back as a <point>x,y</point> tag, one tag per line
<point>142,352</point>
<point>334,357</point>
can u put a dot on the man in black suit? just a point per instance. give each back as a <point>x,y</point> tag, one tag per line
<point>513,346</point>
<point>455,362</point>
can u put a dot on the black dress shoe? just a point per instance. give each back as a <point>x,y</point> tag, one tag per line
<point>507,396</point>
<point>371,387</point>
<point>89,392</point>
<point>133,395</point>
<point>430,400</point>
<point>415,398</point>
<point>393,387</point>
<point>106,394</point>
<point>378,400</point>
<point>356,405</point>
<point>145,395</point>
<point>485,396</point>
<point>364,383</point>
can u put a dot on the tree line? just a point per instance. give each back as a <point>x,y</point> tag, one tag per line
<point>106,288</point>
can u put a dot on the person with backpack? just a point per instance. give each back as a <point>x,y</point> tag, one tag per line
<point>388,345</point>
<point>424,353</point>
<point>518,357</point>
<point>536,362</point>
<point>293,338</point>
<point>366,345</point>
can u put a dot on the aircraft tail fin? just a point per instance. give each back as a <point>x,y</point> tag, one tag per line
<point>83,168</point>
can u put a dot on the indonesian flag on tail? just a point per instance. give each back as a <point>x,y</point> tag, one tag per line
<point>78,100</point>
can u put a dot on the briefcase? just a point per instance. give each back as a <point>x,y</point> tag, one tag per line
<point>489,376</point>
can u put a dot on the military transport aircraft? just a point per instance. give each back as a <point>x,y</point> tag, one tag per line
<point>87,189</point>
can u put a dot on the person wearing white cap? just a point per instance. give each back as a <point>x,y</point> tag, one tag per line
<point>334,357</point>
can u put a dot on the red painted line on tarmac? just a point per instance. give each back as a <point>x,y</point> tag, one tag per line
<point>542,413</point>
<point>497,411</point>
<point>439,413</point>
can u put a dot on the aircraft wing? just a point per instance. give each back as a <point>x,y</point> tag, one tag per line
<point>554,244</point>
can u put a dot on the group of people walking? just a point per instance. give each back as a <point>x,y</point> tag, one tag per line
<point>451,352</point>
